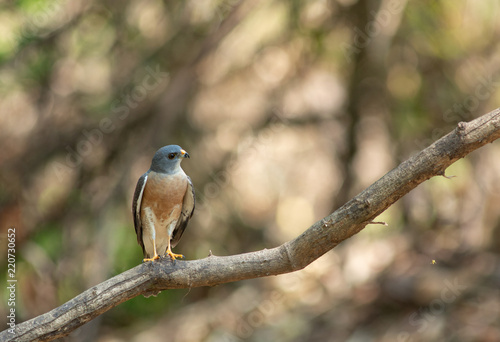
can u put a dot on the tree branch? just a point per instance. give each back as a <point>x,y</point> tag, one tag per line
<point>294,255</point>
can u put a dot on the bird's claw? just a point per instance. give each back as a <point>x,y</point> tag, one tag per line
<point>155,257</point>
<point>174,256</point>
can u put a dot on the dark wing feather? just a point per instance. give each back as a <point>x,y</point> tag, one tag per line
<point>136,207</point>
<point>186,213</point>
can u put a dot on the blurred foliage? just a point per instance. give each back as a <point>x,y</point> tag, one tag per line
<point>288,109</point>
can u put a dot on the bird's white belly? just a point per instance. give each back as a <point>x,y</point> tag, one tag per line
<point>158,229</point>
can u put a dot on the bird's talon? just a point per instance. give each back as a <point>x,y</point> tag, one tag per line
<point>156,257</point>
<point>174,256</point>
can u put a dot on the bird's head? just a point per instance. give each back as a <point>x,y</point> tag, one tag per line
<point>168,158</point>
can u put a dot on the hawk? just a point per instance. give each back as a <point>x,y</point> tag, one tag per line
<point>163,204</point>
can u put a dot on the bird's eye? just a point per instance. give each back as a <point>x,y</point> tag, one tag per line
<point>171,155</point>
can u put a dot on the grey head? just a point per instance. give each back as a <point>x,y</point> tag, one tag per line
<point>168,159</point>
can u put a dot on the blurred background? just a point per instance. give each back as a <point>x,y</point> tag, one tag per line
<point>288,109</point>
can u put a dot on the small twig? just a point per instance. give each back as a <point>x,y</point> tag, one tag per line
<point>379,222</point>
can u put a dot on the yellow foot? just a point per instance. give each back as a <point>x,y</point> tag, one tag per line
<point>156,257</point>
<point>173,255</point>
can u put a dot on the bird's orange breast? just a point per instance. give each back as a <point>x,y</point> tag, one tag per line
<point>164,194</point>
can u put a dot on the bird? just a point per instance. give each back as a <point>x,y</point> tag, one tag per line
<point>163,204</point>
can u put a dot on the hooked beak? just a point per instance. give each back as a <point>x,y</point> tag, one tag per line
<point>184,154</point>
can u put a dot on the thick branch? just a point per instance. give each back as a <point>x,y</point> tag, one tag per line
<point>293,255</point>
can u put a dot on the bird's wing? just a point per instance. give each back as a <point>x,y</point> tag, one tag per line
<point>186,213</point>
<point>136,207</point>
